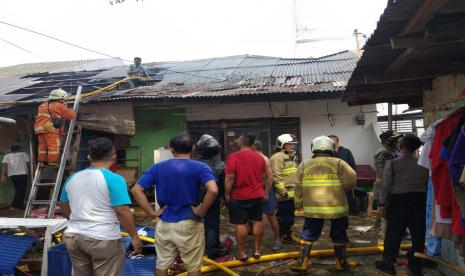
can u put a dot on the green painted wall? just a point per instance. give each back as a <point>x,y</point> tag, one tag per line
<point>6,190</point>
<point>154,129</point>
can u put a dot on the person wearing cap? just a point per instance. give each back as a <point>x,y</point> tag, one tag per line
<point>208,148</point>
<point>388,151</point>
<point>402,201</point>
<point>48,126</point>
<point>284,167</point>
<point>320,192</point>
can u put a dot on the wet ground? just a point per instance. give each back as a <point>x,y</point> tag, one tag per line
<point>320,266</point>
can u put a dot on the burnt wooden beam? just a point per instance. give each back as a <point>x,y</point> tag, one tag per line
<point>422,15</point>
<point>400,61</point>
<point>446,27</point>
<point>422,41</point>
<point>418,72</point>
<point>416,24</point>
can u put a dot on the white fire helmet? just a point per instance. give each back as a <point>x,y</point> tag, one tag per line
<point>285,139</point>
<point>322,143</point>
<point>58,94</point>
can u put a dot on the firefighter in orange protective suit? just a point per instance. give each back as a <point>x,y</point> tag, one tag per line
<point>48,126</point>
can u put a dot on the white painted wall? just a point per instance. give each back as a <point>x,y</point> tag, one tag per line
<point>362,140</point>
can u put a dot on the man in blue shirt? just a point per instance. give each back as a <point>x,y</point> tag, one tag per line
<point>346,155</point>
<point>95,201</point>
<point>179,183</point>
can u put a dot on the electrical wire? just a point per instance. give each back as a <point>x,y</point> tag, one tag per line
<point>19,47</point>
<point>60,40</point>
<point>93,51</point>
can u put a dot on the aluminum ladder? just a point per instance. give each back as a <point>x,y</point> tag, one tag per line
<point>58,171</point>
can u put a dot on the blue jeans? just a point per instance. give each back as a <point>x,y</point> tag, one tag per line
<point>433,244</point>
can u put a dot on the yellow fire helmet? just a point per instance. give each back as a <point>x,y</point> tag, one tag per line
<point>322,143</point>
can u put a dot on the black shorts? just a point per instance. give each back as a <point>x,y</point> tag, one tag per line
<point>241,211</point>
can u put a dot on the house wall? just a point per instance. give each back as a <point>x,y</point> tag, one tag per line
<point>314,121</point>
<point>437,103</point>
<point>9,135</point>
<point>440,100</point>
<point>154,129</point>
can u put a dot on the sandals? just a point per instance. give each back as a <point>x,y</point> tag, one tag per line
<point>243,259</point>
<point>257,255</point>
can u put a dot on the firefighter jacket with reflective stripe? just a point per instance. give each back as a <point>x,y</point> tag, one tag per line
<point>284,170</point>
<point>45,114</point>
<point>321,186</point>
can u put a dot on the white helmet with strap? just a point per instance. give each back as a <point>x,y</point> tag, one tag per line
<point>285,139</point>
<point>58,94</point>
<point>322,143</point>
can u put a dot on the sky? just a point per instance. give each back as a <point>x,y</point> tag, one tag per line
<point>168,30</point>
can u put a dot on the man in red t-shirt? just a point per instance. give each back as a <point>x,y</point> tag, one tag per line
<point>245,171</point>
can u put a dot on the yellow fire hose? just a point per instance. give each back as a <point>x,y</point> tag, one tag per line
<point>451,266</point>
<point>100,90</point>
<point>296,254</point>
<point>205,259</point>
<point>219,266</point>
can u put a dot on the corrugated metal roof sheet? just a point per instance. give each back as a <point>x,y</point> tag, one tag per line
<point>241,75</point>
<point>12,83</point>
<point>226,76</point>
<point>12,249</point>
<point>59,66</point>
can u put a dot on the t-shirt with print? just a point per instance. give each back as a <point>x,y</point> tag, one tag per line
<point>178,183</point>
<point>248,168</point>
<point>16,162</point>
<point>91,194</point>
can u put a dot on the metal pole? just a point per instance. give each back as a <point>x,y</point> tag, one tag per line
<point>357,43</point>
<point>389,116</point>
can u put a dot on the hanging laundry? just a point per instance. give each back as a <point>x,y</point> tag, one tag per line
<point>439,167</point>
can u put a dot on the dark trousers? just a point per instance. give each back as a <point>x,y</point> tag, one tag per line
<point>353,207</point>
<point>286,216</point>
<point>212,231</point>
<point>338,232</point>
<point>20,183</point>
<point>404,211</point>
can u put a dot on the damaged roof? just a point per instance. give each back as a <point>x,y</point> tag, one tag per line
<point>415,41</point>
<point>231,76</point>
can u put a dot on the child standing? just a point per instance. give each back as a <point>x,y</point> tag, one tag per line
<point>403,204</point>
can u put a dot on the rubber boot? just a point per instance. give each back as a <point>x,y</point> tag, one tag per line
<point>340,252</point>
<point>302,264</point>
